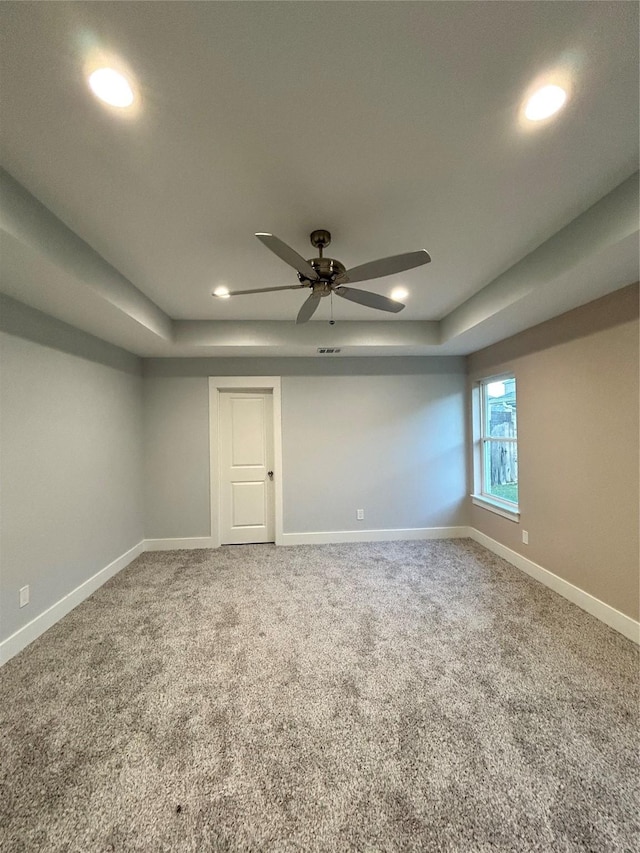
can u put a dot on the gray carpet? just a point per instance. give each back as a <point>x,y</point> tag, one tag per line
<point>377,697</point>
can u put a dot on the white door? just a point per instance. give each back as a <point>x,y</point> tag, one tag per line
<point>246,467</point>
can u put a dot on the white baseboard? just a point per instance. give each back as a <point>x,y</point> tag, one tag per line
<point>32,630</point>
<point>320,538</point>
<point>178,544</point>
<point>607,614</point>
<point>338,536</point>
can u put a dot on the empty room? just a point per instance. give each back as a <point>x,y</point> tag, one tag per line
<point>319,426</point>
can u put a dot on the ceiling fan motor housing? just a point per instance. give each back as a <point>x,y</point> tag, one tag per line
<point>327,270</point>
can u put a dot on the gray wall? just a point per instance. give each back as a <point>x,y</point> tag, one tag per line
<point>577,384</point>
<point>176,457</point>
<point>385,435</point>
<point>70,467</point>
<point>392,445</point>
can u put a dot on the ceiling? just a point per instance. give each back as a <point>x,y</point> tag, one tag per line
<point>397,126</point>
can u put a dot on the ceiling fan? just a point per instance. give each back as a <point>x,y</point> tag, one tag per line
<point>326,276</point>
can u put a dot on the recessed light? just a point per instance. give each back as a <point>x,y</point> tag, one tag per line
<point>545,102</point>
<point>399,293</point>
<point>111,87</point>
<point>221,292</point>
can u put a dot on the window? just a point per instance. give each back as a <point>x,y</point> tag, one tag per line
<point>497,471</point>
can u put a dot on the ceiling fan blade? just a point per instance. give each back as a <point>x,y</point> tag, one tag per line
<point>308,308</point>
<point>288,255</point>
<point>385,266</point>
<point>371,300</point>
<point>260,290</point>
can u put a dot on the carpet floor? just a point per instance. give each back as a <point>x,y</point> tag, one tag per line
<point>398,696</point>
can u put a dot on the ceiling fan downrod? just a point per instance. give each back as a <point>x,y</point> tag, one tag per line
<point>327,270</point>
<point>320,239</point>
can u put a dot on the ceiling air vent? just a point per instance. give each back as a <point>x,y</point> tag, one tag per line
<point>328,350</point>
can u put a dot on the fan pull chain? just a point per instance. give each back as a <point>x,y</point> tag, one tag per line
<point>332,322</point>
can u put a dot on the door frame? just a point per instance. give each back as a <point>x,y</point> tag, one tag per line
<point>217,385</point>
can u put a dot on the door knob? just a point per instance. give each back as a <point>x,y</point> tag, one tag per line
<point>270,475</point>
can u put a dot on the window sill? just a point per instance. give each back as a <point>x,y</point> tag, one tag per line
<point>495,506</point>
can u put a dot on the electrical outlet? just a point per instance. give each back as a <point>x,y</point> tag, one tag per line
<point>24,595</point>
<point>525,537</point>
<point>360,514</point>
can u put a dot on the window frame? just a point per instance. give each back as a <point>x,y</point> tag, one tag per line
<point>482,497</point>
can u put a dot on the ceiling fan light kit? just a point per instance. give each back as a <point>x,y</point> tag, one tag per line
<point>326,276</point>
